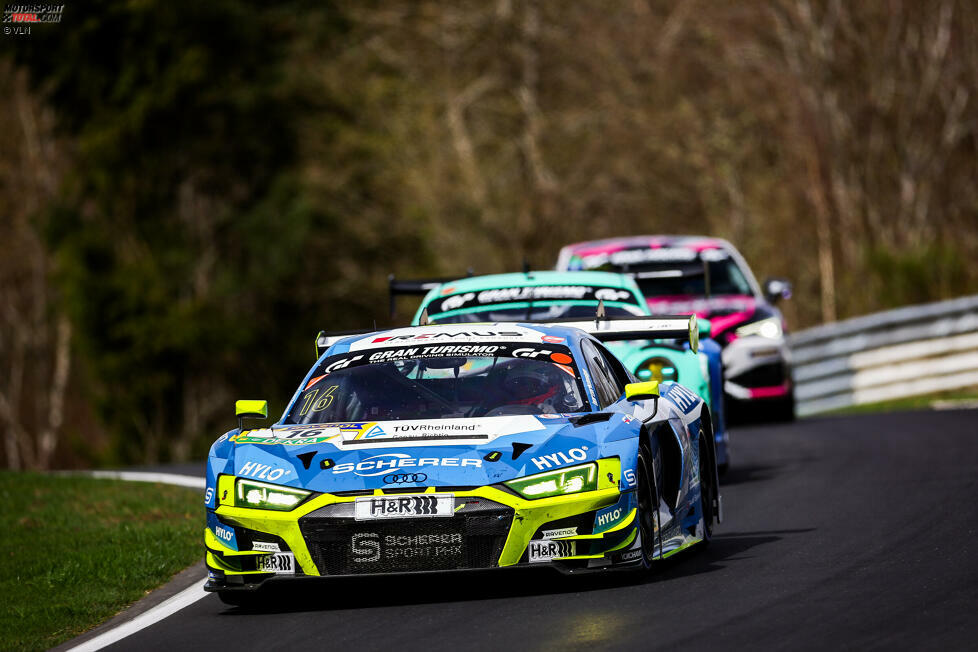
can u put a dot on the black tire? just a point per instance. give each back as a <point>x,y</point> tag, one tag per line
<point>238,598</point>
<point>648,507</point>
<point>784,410</point>
<point>708,487</point>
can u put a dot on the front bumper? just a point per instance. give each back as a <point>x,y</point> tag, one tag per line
<point>757,367</point>
<point>491,528</point>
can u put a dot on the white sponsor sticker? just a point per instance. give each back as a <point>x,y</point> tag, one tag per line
<point>449,333</point>
<point>560,458</point>
<point>404,506</point>
<point>265,546</point>
<point>282,563</point>
<point>386,462</point>
<point>438,431</point>
<point>562,532</point>
<point>546,550</point>
<point>262,471</point>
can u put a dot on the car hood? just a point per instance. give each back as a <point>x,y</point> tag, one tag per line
<point>404,454</point>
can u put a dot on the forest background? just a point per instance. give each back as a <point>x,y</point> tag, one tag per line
<point>190,190</point>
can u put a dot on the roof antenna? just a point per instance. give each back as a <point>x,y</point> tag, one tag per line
<point>526,266</point>
<point>423,319</point>
<point>599,314</point>
<point>375,324</point>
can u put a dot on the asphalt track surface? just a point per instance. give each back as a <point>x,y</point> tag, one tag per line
<point>839,533</point>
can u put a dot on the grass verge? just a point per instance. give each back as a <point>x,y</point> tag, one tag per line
<point>926,402</point>
<point>75,551</point>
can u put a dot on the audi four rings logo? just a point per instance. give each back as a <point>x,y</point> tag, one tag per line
<point>404,478</point>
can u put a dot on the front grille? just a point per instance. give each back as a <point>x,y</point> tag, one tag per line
<point>765,375</point>
<point>472,538</point>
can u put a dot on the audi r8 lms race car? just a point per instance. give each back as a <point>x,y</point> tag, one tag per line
<point>708,277</point>
<point>464,446</point>
<point>541,296</point>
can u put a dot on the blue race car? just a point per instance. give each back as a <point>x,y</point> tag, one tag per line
<point>464,446</point>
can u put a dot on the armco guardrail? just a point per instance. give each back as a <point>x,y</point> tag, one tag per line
<point>887,355</point>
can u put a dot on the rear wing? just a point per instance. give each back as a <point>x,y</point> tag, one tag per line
<point>615,329</point>
<point>602,327</point>
<point>415,286</point>
<point>325,340</point>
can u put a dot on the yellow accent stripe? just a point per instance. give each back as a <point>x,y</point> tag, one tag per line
<point>216,545</point>
<point>666,555</point>
<point>601,535</point>
<point>213,561</point>
<point>627,542</point>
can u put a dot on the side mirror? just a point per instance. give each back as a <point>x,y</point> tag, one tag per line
<point>250,410</point>
<point>776,289</point>
<point>642,391</point>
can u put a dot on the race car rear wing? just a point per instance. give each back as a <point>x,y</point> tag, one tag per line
<point>325,340</point>
<point>616,329</point>
<point>602,327</point>
<point>415,286</point>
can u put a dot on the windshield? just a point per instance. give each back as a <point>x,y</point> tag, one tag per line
<point>441,382</point>
<point>725,279</point>
<point>535,312</point>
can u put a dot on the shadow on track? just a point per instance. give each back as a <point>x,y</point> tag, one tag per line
<point>746,473</point>
<point>727,547</point>
<point>326,594</point>
<point>320,594</point>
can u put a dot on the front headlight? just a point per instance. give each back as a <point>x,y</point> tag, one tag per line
<point>571,480</point>
<point>261,495</point>
<point>660,369</point>
<point>770,327</point>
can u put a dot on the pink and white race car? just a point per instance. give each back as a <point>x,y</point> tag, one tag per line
<point>682,275</point>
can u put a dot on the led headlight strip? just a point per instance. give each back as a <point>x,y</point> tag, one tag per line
<point>261,495</point>
<point>770,327</point>
<point>658,368</point>
<point>571,480</point>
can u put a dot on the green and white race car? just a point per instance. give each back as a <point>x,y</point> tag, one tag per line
<point>546,296</point>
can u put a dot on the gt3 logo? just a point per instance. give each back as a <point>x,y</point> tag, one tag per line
<point>365,547</point>
<point>610,294</point>
<point>530,353</point>
<point>341,364</point>
<point>456,302</point>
